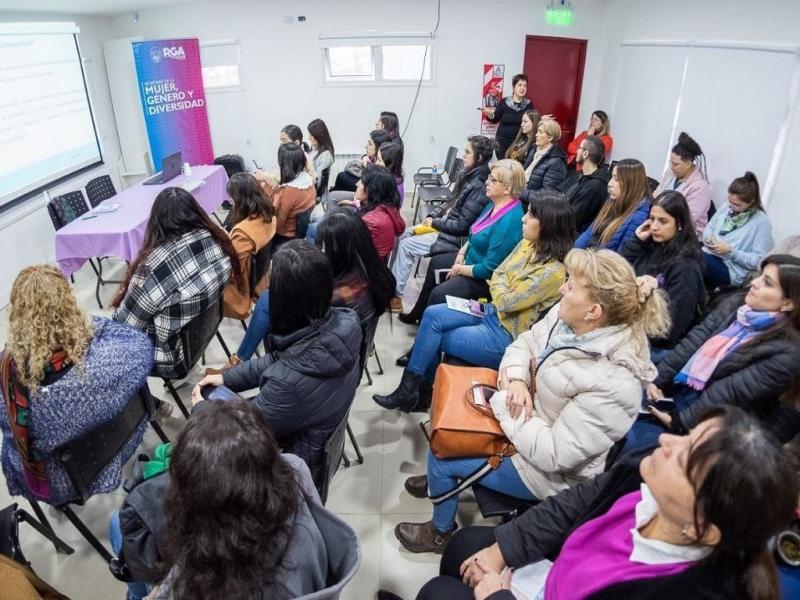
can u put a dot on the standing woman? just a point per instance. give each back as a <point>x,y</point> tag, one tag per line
<point>546,167</point>
<point>524,144</point>
<point>600,126</point>
<point>738,235</point>
<point>322,148</point>
<point>492,237</point>
<point>182,268</point>
<point>687,175</point>
<point>508,113</point>
<point>665,255</point>
<point>628,205</point>
<point>253,222</point>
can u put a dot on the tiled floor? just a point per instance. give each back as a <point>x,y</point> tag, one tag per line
<point>370,497</point>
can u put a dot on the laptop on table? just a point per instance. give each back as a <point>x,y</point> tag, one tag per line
<point>170,169</point>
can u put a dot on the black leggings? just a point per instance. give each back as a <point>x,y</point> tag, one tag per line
<point>448,585</point>
<point>460,286</point>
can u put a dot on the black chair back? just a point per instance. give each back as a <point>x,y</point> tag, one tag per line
<point>198,333</point>
<point>9,535</point>
<point>324,178</point>
<point>85,457</point>
<point>368,330</point>
<point>232,163</point>
<point>652,184</point>
<point>99,189</point>
<point>66,208</point>
<point>332,457</point>
<point>303,220</point>
<point>259,265</point>
<point>449,161</point>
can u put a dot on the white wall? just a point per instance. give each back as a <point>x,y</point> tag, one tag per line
<point>26,233</point>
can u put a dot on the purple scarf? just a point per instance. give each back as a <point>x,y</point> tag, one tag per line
<point>489,219</point>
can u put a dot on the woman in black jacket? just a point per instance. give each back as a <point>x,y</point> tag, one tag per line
<point>745,355</point>
<point>665,254</point>
<point>546,165</point>
<point>309,375</point>
<point>451,222</point>
<point>508,113</point>
<point>690,522</point>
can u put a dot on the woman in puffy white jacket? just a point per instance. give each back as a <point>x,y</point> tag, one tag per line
<point>591,362</point>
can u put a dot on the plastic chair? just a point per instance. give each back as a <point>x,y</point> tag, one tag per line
<point>87,456</point>
<point>10,518</point>
<point>332,457</point>
<point>439,194</point>
<point>99,189</point>
<point>496,504</point>
<point>322,186</point>
<point>195,337</point>
<point>425,175</point>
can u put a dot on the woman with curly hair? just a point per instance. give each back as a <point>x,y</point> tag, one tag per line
<point>62,374</point>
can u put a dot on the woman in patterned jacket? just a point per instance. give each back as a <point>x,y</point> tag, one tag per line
<point>523,287</point>
<point>182,268</point>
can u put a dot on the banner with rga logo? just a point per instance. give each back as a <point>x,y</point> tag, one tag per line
<point>173,100</point>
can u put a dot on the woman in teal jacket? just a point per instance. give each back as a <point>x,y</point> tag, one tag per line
<point>492,237</point>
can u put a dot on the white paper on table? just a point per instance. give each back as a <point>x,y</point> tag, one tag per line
<point>108,207</point>
<point>191,185</point>
<point>528,582</point>
<point>459,304</point>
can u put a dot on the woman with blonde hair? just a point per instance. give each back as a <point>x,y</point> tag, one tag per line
<point>570,388</point>
<point>524,144</point>
<point>546,168</point>
<point>62,374</point>
<point>628,206</point>
<point>491,238</point>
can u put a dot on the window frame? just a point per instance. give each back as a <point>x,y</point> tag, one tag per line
<point>377,63</point>
<point>224,89</point>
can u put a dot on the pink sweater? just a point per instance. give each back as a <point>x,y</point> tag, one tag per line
<point>597,555</point>
<point>697,192</point>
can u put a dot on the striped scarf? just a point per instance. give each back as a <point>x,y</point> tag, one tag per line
<point>18,407</point>
<point>747,325</point>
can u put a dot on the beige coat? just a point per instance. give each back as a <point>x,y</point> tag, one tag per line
<point>586,399</point>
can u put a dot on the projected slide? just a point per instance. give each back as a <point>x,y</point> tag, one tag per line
<point>46,127</point>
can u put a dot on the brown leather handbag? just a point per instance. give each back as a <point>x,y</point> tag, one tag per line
<point>460,428</point>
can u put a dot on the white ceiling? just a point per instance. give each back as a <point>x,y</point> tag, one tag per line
<point>89,7</point>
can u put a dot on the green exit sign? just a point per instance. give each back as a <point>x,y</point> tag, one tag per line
<point>559,16</point>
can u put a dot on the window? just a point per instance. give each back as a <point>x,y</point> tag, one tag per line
<point>391,63</point>
<point>220,65</point>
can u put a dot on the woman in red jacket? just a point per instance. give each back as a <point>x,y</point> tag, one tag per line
<point>380,202</point>
<point>600,126</point>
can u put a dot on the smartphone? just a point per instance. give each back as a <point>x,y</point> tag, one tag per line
<point>482,394</point>
<point>220,392</point>
<point>477,308</point>
<point>664,405</point>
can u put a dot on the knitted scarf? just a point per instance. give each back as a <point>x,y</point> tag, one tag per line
<point>19,418</point>
<point>747,325</point>
<point>735,220</point>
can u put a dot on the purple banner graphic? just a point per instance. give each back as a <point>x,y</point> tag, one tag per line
<point>173,100</point>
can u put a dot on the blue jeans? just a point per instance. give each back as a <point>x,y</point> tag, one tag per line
<point>136,589</point>
<point>257,330</point>
<point>647,428</point>
<point>445,473</point>
<point>715,272</point>
<point>480,341</point>
<point>311,232</point>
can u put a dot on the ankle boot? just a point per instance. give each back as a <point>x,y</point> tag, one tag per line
<point>405,397</point>
<point>425,396</point>
<point>402,361</point>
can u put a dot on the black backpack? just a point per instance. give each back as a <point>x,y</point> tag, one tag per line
<point>143,524</point>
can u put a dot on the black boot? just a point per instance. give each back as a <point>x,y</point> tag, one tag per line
<point>403,360</point>
<point>408,318</point>
<point>405,397</point>
<point>425,396</point>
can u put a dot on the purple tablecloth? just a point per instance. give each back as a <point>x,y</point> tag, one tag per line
<point>121,233</point>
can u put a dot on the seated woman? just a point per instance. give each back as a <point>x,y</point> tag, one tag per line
<point>376,193</point>
<point>253,228</point>
<point>62,374</point>
<point>346,180</point>
<point>546,167</point>
<point>664,253</point>
<point>390,155</point>
<point>492,237</point>
<point>590,359</point>
<point>389,123</point>
<point>600,126</point>
<point>450,223</point>
<point>271,545</point>
<point>309,375</point>
<point>690,521</point>
<point>628,205</point>
<point>182,268</point>
<point>524,145</point>
<point>322,153</point>
<point>292,134</point>
<point>744,355</point>
<point>738,235</point>
<point>523,287</point>
<point>294,193</point>
<point>687,175</point>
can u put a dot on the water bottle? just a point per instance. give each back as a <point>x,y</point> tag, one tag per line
<point>435,169</point>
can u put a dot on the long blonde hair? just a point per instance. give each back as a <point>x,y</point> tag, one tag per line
<point>612,284</point>
<point>633,180</point>
<point>44,315</point>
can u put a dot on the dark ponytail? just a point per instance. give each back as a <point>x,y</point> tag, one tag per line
<point>690,150</point>
<point>747,189</point>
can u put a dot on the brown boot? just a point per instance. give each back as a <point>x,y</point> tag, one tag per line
<point>232,362</point>
<point>396,305</point>
<point>422,537</point>
<point>417,486</point>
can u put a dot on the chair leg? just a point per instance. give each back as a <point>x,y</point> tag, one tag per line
<point>59,544</point>
<point>159,431</point>
<point>359,457</point>
<point>366,372</point>
<point>345,460</point>
<point>223,344</point>
<point>40,515</point>
<point>177,398</point>
<point>377,359</point>
<point>98,273</point>
<point>90,537</point>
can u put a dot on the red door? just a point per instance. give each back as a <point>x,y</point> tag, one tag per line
<point>554,67</point>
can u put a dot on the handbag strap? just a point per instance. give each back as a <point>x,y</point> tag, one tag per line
<point>490,464</point>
